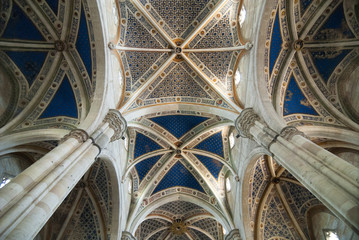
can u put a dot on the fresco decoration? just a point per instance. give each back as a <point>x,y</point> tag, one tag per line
<point>44,70</point>
<point>179,220</point>
<point>180,84</point>
<point>163,144</point>
<point>306,45</point>
<point>148,31</point>
<point>274,196</point>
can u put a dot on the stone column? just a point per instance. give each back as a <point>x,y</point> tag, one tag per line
<point>127,236</point>
<point>30,199</point>
<point>233,235</point>
<point>331,179</point>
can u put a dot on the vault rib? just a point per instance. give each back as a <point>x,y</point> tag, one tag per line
<point>154,23</point>
<point>202,231</point>
<point>26,45</point>
<point>128,49</point>
<point>213,156</point>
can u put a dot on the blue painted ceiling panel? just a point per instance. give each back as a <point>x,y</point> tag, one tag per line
<point>178,175</point>
<point>327,61</point>
<point>178,125</point>
<point>212,165</point>
<point>304,4</point>
<point>63,103</point>
<point>29,63</point>
<point>335,27</point>
<point>83,44</point>
<point>145,166</point>
<point>276,43</point>
<point>144,145</point>
<point>295,101</point>
<point>21,27</point>
<point>54,5</point>
<point>212,144</point>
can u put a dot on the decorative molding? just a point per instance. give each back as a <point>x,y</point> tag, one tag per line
<point>245,121</point>
<point>79,134</point>
<point>127,236</point>
<point>117,123</point>
<point>233,235</point>
<point>289,132</point>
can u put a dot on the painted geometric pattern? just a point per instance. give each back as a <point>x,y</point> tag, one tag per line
<point>178,125</point>
<point>199,235</point>
<point>137,35</point>
<point>178,83</point>
<point>139,63</point>
<point>213,144</point>
<point>148,226</point>
<point>179,207</point>
<point>258,182</point>
<point>300,200</point>
<point>211,226</point>
<point>178,175</point>
<point>85,223</point>
<point>221,35</point>
<point>178,14</point>
<point>275,220</point>
<point>217,62</point>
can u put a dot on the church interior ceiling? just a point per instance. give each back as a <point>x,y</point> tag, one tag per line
<point>183,54</point>
<point>311,49</point>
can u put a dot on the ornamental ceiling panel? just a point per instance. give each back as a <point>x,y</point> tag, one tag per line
<point>179,220</point>
<point>48,52</point>
<point>278,204</point>
<point>175,52</point>
<point>310,50</point>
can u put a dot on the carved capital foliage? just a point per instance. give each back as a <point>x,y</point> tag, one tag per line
<point>127,236</point>
<point>245,121</point>
<point>233,235</point>
<point>289,132</point>
<point>117,123</point>
<point>79,134</point>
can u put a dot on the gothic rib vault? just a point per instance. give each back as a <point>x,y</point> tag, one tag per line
<point>180,72</point>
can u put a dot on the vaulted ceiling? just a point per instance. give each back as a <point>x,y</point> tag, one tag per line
<point>179,61</point>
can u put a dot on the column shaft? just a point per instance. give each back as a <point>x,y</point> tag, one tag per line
<point>331,179</point>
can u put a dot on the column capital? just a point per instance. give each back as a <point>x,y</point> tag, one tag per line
<point>289,132</point>
<point>127,236</point>
<point>233,235</point>
<point>245,121</point>
<point>79,134</point>
<point>117,123</point>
